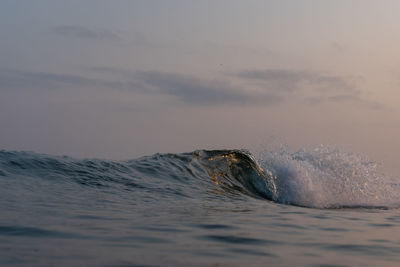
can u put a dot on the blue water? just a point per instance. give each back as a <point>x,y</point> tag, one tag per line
<point>317,207</point>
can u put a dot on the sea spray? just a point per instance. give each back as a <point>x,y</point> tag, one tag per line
<point>322,177</point>
<point>326,177</point>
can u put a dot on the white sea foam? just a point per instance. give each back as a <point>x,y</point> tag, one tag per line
<point>326,177</point>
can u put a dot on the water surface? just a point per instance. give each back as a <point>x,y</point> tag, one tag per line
<point>319,207</point>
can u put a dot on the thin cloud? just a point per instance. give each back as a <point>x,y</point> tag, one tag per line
<point>317,87</point>
<point>343,98</point>
<point>275,75</point>
<point>275,79</point>
<point>292,80</point>
<point>17,79</point>
<point>197,91</point>
<point>85,33</point>
<point>188,89</point>
<point>355,100</point>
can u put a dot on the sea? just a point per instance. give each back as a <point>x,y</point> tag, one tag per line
<point>312,207</point>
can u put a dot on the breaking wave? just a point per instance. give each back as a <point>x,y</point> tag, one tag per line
<point>318,178</point>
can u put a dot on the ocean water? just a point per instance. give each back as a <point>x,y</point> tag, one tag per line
<point>315,207</point>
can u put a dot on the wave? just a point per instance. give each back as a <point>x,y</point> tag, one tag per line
<point>317,178</point>
<point>326,177</point>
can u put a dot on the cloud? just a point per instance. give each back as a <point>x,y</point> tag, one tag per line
<point>109,70</point>
<point>186,88</point>
<point>197,91</point>
<point>291,80</point>
<point>272,87</point>
<point>17,79</point>
<point>85,33</point>
<point>314,87</point>
<point>190,89</point>
<point>274,75</point>
<point>355,100</point>
<point>275,79</point>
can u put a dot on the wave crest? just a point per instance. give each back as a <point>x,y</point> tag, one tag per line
<point>320,178</point>
<point>326,177</point>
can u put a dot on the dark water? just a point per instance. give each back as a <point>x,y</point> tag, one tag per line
<point>320,207</point>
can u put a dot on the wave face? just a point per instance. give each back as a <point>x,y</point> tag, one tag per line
<point>317,178</point>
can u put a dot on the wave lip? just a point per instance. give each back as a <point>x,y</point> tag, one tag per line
<point>237,171</point>
<point>322,177</point>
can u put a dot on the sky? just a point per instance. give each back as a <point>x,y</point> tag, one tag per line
<point>122,79</point>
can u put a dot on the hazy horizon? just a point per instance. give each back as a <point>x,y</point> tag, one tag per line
<point>123,79</point>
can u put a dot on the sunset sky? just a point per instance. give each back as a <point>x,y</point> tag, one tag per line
<point>123,79</point>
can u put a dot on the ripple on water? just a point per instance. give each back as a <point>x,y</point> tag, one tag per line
<point>35,232</point>
<point>365,250</point>
<point>230,239</point>
<point>215,226</point>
